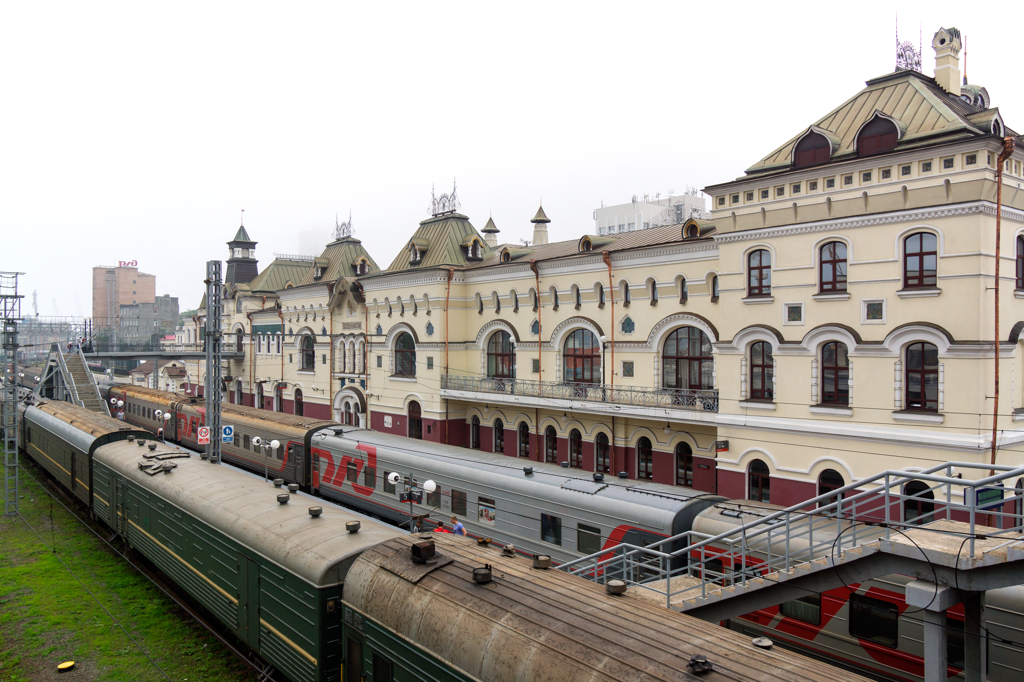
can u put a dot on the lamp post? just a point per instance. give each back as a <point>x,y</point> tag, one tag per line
<point>166,416</point>
<point>272,445</point>
<point>412,492</point>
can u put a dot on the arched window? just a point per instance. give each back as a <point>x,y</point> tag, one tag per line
<point>239,396</point>
<point>259,396</point>
<point>405,355</point>
<point>879,135</point>
<point>415,421</point>
<point>601,453</point>
<point>550,445</point>
<point>683,293</point>
<point>348,414</point>
<point>554,298</point>
<point>922,377</point>
<point>600,295</point>
<point>920,257</point>
<point>625,294</point>
<point>917,503</point>
<point>829,481</point>
<point>759,273</point>
<point>835,374</point>
<point>1020,262</point>
<point>515,300</point>
<point>832,268</point>
<point>499,436</point>
<point>714,289</point>
<point>300,408</point>
<point>279,398</point>
<point>575,449</point>
<point>501,359</point>
<point>307,355</point>
<point>758,482</point>
<point>536,301</point>
<point>578,297</point>
<point>524,439</point>
<point>684,465</point>
<point>687,361</point>
<point>581,356</point>
<point>479,304</point>
<point>654,292</point>
<point>474,433</point>
<point>762,371</point>
<point>644,459</point>
<point>812,149</point>
<point>240,335</point>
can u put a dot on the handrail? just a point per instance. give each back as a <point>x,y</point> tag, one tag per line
<point>65,373</point>
<point>92,381</point>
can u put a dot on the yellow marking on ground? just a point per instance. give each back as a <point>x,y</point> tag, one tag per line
<point>288,641</point>
<point>187,564</point>
<point>33,446</point>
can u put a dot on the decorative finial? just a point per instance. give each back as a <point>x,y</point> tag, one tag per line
<point>342,230</point>
<point>907,57</point>
<point>242,219</point>
<point>444,204</point>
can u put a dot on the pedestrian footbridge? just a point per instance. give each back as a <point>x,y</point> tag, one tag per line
<point>67,377</point>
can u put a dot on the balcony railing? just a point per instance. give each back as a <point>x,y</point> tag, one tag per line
<point>681,399</point>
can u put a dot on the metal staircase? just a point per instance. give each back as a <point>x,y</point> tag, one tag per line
<point>68,378</point>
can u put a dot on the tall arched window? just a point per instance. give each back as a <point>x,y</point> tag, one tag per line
<point>600,295</point>
<point>550,445</point>
<point>832,268</point>
<point>240,335</point>
<point>1020,262</point>
<point>654,292</point>
<point>581,355</point>
<point>683,293</point>
<point>762,371</point>
<point>307,355</point>
<point>575,449</point>
<point>812,149</point>
<point>879,135</point>
<point>501,359</point>
<point>279,398</point>
<point>920,258</point>
<point>835,374</point>
<point>348,414</point>
<point>829,481</point>
<point>300,408</point>
<point>474,433</point>
<point>687,361</point>
<point>524,439</point>
<point>415,421</point>
<point>601,453</point>
<point>684,465</point>
<point>758,482</point>
<point>644,459</point>
<point>239,395</point>
<point>922,377</point>
<point>499,436</point>
<point>917,503</point>
<point>759,273</point>
<point>405,355</point>
<point>714,288</point>
<point>259,396</point>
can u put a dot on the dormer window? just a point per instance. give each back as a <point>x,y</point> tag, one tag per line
<point>878,135</point>
<point>586,244</point>
<point>362,266</point>
<point>506,256</point>
<point>474,249</point>
<point>414,254</point>
<point>812,149</point>
<point>318,272</point>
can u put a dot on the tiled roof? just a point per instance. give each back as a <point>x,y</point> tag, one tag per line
<point>340,256</point>
<point>279,274</point>
<point>925,111</point>
<point>444,237</point>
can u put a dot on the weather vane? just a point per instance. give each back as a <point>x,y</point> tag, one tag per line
<point>343,230</point>
<point>445,203</point>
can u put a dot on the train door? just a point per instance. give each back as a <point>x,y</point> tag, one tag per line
<point>353,658</point>
<point>249,601</point>
<point>120,503</point>
<point>297,458</point>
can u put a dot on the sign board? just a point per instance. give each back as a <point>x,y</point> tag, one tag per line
<point>204,435</point>
<point>351,325</point>
<point>990,497</point>
<point>227,434</point>
<point>127,263</point>
<point>387,421</point>
<point>416,497</point>
<point>721,446</point>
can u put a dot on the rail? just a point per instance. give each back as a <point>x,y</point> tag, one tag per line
<point>684,399</point>
<point>683,566</point>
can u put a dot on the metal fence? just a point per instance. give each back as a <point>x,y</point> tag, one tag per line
<point>682,399</point>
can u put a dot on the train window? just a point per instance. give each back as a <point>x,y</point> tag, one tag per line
<point>954,642</point>
<point>370,477</point>
<point>434,498</point>
<point>807,609</point>
<point>381,669</point>
<point>486,511</point>
<point>458,502</point>
<point>551,529</point>
<point>351,475</point>
<point>280,452</point>
<point>874,620</point>
<point>588,539</point>
<point>389,487</point>
<point>713,571</point>
<point>245,441</point>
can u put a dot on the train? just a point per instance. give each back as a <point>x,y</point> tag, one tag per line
<point>325,594</point>
<point>565,513</point>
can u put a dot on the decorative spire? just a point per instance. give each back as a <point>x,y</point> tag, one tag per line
<point>540,227</point>
<point>490,230</point>
<point>541,217</point>
<point>342,230</point>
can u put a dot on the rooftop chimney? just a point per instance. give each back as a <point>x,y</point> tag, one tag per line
<point>946,44</point>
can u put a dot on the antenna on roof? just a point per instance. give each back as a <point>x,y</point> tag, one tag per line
<point>242,219</point>
<point>965,59</point>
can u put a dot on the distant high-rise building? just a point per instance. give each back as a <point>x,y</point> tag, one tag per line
<point>647,212</point>
<point>113,287</point>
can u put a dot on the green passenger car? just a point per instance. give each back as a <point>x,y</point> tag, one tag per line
<point>271,572</point>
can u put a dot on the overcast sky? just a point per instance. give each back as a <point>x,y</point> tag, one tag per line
<point>138,131</point>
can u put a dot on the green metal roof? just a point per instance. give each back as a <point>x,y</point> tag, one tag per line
<point>340,258</point>
<point>490,226</point>
<point>444,237</point>
<point>541,216</point>
<point>242,235</point>
<point>279,274</point>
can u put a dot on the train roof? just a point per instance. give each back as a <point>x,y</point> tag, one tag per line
<point>245,508</point>
<point>153,395</point>
<point>462,463</point>
<point>82,428</point>
<point>533,624</point>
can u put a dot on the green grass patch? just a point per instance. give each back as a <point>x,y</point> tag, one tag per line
<point>47,616</point>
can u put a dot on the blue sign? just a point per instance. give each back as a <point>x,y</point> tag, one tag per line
<point>227,434</point>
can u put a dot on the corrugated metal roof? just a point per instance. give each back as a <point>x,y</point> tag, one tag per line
<point>341,257</point>
<point>279,274</point>
<point>444,236</point>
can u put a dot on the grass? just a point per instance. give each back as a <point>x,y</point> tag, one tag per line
<point>46,616</point>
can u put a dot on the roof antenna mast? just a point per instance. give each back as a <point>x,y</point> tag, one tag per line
<point>242,219</point>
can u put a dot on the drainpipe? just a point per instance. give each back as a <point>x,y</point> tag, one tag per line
<point>607,258</point>
<point>447,297</point>
<point>1003,156</point>
<point>536,426</point>
<point>366,354</point>
<point>281,316</point>
<point>252,359</point>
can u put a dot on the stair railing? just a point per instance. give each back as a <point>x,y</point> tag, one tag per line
<point>92,382</point>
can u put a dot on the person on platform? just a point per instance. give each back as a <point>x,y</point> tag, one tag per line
<point>440,528</point>
<point>120,415</point>
<point>457,527</point>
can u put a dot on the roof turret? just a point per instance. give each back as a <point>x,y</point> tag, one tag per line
<point>541,217</point>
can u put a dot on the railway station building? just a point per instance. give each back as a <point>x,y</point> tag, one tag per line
<point>832,319</point>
